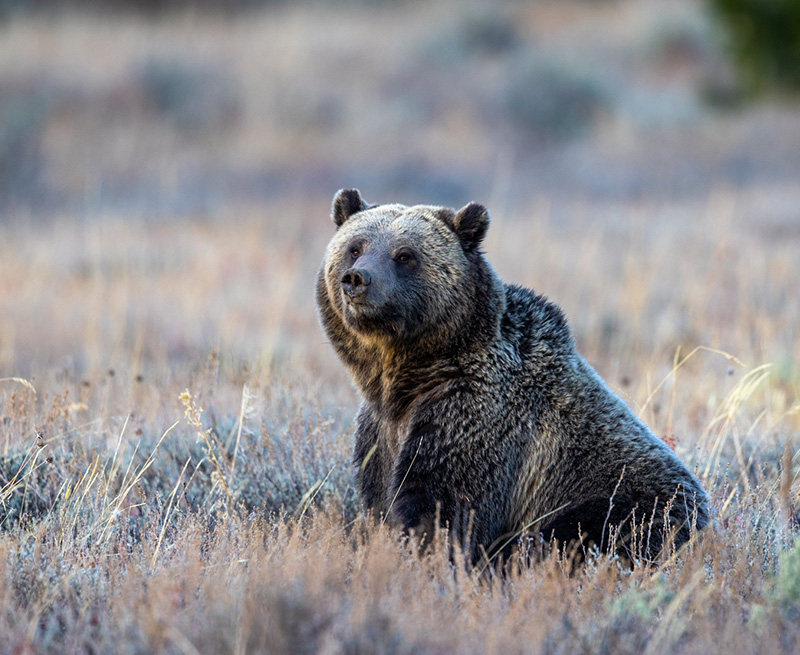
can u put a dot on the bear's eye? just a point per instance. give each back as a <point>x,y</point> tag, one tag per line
<point>355,252</point>
<point>404,256</point>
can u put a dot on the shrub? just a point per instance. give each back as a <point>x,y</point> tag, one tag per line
<point>23,113</point>
<point>193,97</point>
<point>552,100</point>
<point>764,39</point>
<point>11,7</point>
<point>787,581</point>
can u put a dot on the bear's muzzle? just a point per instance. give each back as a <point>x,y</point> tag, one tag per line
<point>355,282</point>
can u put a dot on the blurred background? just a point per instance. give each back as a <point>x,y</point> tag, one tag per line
<point>166,170</point>
<point>166,174</point>
<point>182,107</point>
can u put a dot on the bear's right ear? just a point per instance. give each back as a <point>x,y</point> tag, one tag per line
<point>471,223</point>
<point>347,202</point>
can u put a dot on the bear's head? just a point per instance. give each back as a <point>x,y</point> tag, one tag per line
<point>408,274</point>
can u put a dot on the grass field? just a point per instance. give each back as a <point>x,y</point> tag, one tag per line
<point>174,430</point>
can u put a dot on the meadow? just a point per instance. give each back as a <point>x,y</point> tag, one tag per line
<point>175,433</point>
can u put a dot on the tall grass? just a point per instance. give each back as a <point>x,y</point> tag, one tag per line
<point>161,497</point>
<point>175,432</point>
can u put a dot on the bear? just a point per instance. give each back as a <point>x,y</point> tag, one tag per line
<point>479,415</point>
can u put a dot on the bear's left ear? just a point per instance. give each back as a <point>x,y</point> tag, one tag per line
<point>347,202</point>
<point>471,223</point>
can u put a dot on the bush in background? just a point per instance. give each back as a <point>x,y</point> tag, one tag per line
<point>23,113</point>
<point>764,39</point>
<point>192,96</point>
<point>552,100</point>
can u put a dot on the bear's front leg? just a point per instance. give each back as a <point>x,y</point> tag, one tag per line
<point>433,488</point>
<point>370,460</point>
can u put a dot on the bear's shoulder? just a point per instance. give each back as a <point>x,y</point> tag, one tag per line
<point>534,325</point>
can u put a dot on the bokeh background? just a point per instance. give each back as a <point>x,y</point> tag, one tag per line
<point>174,429</point>
<point>166,171</point>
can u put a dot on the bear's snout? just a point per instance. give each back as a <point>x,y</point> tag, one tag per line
<point>355,282</point>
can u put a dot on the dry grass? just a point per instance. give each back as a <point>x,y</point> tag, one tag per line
<point>202,501</point>
<point>175,432</point>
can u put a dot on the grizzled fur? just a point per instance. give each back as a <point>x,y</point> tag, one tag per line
<point>477,407</point>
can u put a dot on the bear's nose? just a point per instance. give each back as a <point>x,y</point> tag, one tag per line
<point>355,281</point>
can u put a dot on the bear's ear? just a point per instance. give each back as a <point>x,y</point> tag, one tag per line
<point>347,202</point>
<point>471,223</point>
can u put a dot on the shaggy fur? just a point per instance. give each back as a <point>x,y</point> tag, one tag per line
<point>478,410</point>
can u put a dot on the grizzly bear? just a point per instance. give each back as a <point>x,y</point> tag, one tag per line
<point>479,414</point>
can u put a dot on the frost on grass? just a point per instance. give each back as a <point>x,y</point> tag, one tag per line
<point>233,531</point>
<point>263,464</point>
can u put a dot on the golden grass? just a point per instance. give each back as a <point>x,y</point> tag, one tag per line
<point>131,507</point>
<point>175,432</point>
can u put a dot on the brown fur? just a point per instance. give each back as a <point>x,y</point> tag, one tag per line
<point>477,407</point>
